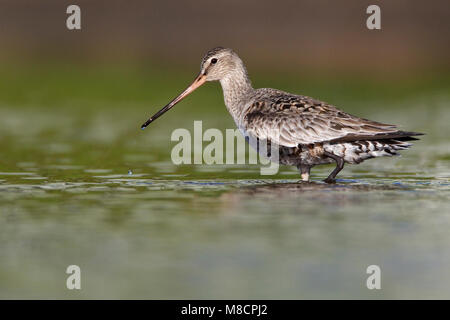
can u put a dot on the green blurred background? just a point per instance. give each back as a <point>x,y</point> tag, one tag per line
<point>72,102</point>
<point>143,40</point>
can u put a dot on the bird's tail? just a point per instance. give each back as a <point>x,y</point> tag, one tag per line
<point>360,150</point>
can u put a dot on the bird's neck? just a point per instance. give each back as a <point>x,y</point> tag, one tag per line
<point>237,89</point>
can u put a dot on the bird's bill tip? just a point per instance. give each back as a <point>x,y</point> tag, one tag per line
<point>199,80</point>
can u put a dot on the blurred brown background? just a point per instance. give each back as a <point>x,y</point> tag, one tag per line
<point>328,35</point>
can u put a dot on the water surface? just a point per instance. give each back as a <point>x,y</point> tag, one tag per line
<point>197,231</point>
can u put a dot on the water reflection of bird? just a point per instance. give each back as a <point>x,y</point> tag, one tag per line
<point>307,131</point>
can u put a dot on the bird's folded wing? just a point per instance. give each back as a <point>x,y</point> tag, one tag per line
<point>291,126</point>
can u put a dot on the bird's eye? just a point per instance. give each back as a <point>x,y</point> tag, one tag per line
<point>213,60</point>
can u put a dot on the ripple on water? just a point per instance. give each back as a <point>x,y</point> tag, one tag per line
<point>97,170</point>
<point>16,173</point>
<point>64,167</point>
<point>117,176</point>
<point>34,178</point>
<point>26,164</point>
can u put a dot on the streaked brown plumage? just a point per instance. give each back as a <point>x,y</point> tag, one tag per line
<point>307,131</point>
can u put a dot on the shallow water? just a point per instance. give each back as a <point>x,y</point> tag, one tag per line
<point>198,231</point>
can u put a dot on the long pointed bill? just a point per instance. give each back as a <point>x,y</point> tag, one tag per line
<point>201,78</point>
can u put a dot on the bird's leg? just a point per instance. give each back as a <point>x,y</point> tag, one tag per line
<point>304,172</point>
<point>339,166</point>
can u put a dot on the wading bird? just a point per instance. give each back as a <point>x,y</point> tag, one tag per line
<point>307,131</point>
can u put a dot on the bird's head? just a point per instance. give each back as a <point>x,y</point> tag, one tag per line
<point>217,64</point>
